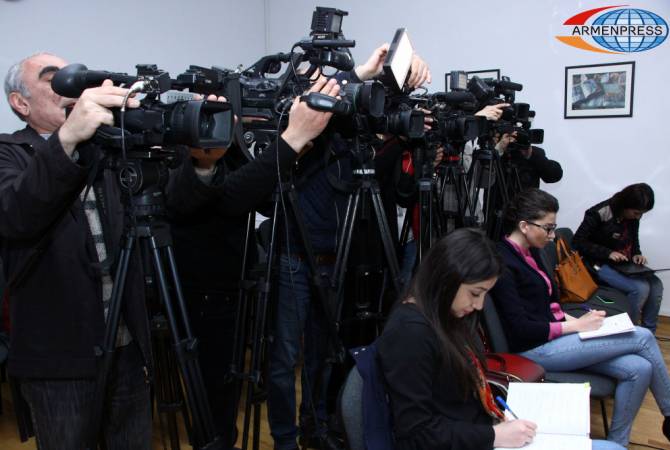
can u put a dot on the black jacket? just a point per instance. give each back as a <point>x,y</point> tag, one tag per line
<point>522,300</point>
<point>600,233</point>
<point>428,407</point>
<point>56,313</point>
<point>209,231</point>
<point>537,167</point>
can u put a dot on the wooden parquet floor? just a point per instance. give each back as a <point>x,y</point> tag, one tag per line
<point>646,429</point>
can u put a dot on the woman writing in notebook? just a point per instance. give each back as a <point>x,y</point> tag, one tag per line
<point>432,367</point>
<point>535,326</point>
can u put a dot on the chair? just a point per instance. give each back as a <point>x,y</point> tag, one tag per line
<point>602,387</point>
<point>350,407</point>
<point>619,302</point>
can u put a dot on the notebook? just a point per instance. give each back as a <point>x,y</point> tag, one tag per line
<point>560,410</point>
<point>618,324</point>
<point>630,268</point>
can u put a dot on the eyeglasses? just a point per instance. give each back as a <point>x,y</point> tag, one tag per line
<point>547,227</point>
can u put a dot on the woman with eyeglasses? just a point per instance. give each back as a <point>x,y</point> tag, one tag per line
<point>537,328</point>
<point>608,236</point>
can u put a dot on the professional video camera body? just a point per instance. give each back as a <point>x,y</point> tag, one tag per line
<point>165,116</point>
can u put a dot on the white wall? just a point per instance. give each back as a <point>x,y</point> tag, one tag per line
<point>599,156</point>
<point>115,35</point>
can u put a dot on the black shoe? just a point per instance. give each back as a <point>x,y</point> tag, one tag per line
<point>666,427</point>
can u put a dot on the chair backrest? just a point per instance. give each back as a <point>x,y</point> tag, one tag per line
<point>351,410</point>
<point>566,234</point>
<point>493,327</point>
<point>549,257</point>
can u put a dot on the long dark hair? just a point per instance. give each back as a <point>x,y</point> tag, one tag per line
<point>529,204</point>
<point>638,196</point>
<point>464,256</point>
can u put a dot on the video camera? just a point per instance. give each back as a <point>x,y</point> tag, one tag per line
<point>515,118</point>
<point>376,107</point>
<point>166,116</point>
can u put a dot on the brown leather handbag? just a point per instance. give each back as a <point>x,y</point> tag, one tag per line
<point>573,277</point>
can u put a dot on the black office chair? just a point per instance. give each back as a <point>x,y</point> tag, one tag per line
<point>602,387</point>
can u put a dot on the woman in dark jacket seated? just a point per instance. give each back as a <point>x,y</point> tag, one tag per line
<point>537,328</point>
<point>609,235</point>
<point>431,365</point>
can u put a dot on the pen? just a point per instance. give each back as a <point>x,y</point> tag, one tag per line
<point>506,406</point>
<point>585,308</point>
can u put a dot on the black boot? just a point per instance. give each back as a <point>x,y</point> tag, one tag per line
<point>666,427</point>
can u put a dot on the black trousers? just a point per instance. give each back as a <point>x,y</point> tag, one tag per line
<point>212,319</point>
<point>60,408</point>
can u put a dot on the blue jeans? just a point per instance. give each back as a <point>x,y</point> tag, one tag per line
<point>605,445</point>
<point>644,294</point>
<point>60,408</point>
<point>633,359</point>
<point>407,264</point>
<point>298,315</point>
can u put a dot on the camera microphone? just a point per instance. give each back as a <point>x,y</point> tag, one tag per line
<point>509,85</point>
<point>73,79</point>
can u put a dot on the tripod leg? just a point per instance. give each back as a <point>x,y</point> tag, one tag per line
<point>385,231</point>
<point>106,353</point>
<point>344,247</point>
<point>258,342</point>
<point>347,230</point>
<point>186,352</point>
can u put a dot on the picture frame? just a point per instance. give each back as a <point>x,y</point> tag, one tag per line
<point>483,74</point>
<point>599,90</point>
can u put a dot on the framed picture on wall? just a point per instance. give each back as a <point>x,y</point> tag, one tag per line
<point>491,74</point>
<point>599,90</point>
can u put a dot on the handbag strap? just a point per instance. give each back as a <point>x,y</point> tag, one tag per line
<point>562,249</point>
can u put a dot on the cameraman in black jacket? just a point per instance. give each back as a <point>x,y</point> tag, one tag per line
<point>58,307</point>
<point>209,239</point>
<point>531,162</point>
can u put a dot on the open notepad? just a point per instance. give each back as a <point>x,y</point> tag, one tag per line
<point>560,410</point>
<point>620,323</point>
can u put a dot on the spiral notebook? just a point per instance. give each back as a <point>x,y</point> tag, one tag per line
<point>560,410</point>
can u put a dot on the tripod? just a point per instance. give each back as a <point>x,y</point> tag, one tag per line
<point>454,193</point>
<point>488,183</point>
<point>256,312</point>
<point>365,191</point>
<point>142,177</point>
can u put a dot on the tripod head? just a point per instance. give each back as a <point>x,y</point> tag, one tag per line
<point>142,177</point>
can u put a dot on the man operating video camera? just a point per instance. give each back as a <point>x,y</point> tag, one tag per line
<point>57,239</point>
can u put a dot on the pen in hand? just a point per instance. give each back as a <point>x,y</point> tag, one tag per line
<point>506,406</point>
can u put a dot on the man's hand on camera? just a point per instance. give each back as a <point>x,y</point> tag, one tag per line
<point>505,140</point>
<point>492,112</point>
<point>91,111</point>
<point>305,123</point>
<point>373,66</point>
<point>419,75</point>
